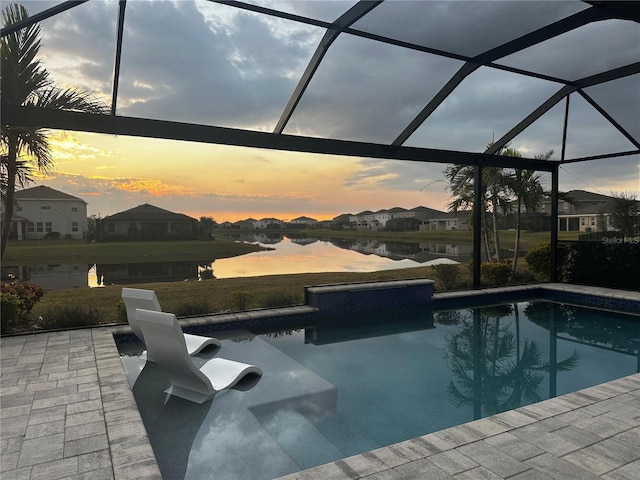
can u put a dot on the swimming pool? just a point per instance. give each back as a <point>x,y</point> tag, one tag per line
<point>352,385</point>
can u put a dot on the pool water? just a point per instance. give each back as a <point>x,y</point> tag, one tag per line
<point>353,385</point>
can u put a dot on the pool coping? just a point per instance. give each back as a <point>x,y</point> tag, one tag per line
<point>68,411</point>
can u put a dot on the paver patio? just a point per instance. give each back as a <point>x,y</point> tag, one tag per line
<point>67,411</point>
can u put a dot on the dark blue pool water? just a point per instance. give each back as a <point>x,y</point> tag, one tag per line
<point>353,385</point>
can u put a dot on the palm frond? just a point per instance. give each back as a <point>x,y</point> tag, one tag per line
<point>67,99</point>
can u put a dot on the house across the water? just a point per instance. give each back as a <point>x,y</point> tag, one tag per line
<point>148,222</point>
<point>42,212</point>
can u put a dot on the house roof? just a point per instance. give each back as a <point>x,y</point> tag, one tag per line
<point>584,196</point>
<point>150,213</point>
<point>426,211</point>
<point>42,192</point>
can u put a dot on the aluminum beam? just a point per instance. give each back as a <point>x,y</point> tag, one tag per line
<point>590,81</point>
<point>38,17</point>
<point>142,127</point>
<point>550,31</point>
<point>348,18</point>
<point>116,68</point>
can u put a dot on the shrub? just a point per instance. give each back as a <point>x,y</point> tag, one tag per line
<point>121,312</point>
<point>192,308</point>
<point>447,274</point>
<point>592,263</point>
<point>495,274</point>
<point>10,311</point>
<point>240,300</point>
<point>28,294</point>
<point>539,258</point>
<point>279,298</point>
<point>206,274</point>
<point>72,316</point>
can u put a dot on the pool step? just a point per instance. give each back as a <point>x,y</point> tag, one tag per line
<point>299,438</point>
<point>313,438</point>
<point>348,437</point>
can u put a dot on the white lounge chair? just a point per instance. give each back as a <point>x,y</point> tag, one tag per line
<point>137,298</point>
<point>165,342</point>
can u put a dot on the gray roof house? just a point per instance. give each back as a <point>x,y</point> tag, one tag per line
<point>148,222</point>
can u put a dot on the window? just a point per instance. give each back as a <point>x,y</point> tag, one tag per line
<point>74,209</point>
<point>18,208</point>
<point>74,226</point>
<point>31,227</point>
<point>48,227</point>
<point>45,207</point>
<point>39,227</point>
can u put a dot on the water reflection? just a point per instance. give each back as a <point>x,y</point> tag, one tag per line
<point>288,254</point>
<point>131,273</point>
<point>494,369</point>
<point>49,277</point>
<point>304,254</point>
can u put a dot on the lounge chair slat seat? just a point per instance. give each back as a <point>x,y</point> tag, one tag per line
<point>166,343</point>
<point>146,299</point>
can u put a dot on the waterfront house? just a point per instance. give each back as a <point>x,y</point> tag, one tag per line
<point>148,222</point>
<point>43,212</point>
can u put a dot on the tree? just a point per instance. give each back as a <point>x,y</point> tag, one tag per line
<point>206,225</point>
<point>496,179</point>
<point>494,197</point>
<point>625,213</point>
<point>461,185</point>
<point>26,82</point>
<point>526,185</point>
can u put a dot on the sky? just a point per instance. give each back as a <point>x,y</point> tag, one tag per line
<point>197,61</point>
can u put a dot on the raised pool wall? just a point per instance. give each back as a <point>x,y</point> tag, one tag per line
<point>359,298</point>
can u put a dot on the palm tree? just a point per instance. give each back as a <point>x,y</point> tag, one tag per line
<point>496,179</point>
<point>26,82</point>
<point>526,185</point>
<point>494,198</point>
<point>460,178</point>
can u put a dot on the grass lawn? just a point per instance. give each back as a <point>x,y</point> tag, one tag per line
<point>215,295</point>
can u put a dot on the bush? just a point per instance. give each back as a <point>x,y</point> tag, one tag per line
<point>70,317</point>
<point>192,308</point>
<point>10,311</point>
<point>279,298</point>
<point>447,274</point>
<point>121,312</point>
<point>27,293</point>
<point>592,263</point>
<point>240,300</point>
<point>539,258</point>
<point>495,274</point>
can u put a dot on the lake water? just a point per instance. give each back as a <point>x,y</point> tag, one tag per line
<point>288,254</point>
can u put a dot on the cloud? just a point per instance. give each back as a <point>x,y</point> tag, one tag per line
<point>238,74</point>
